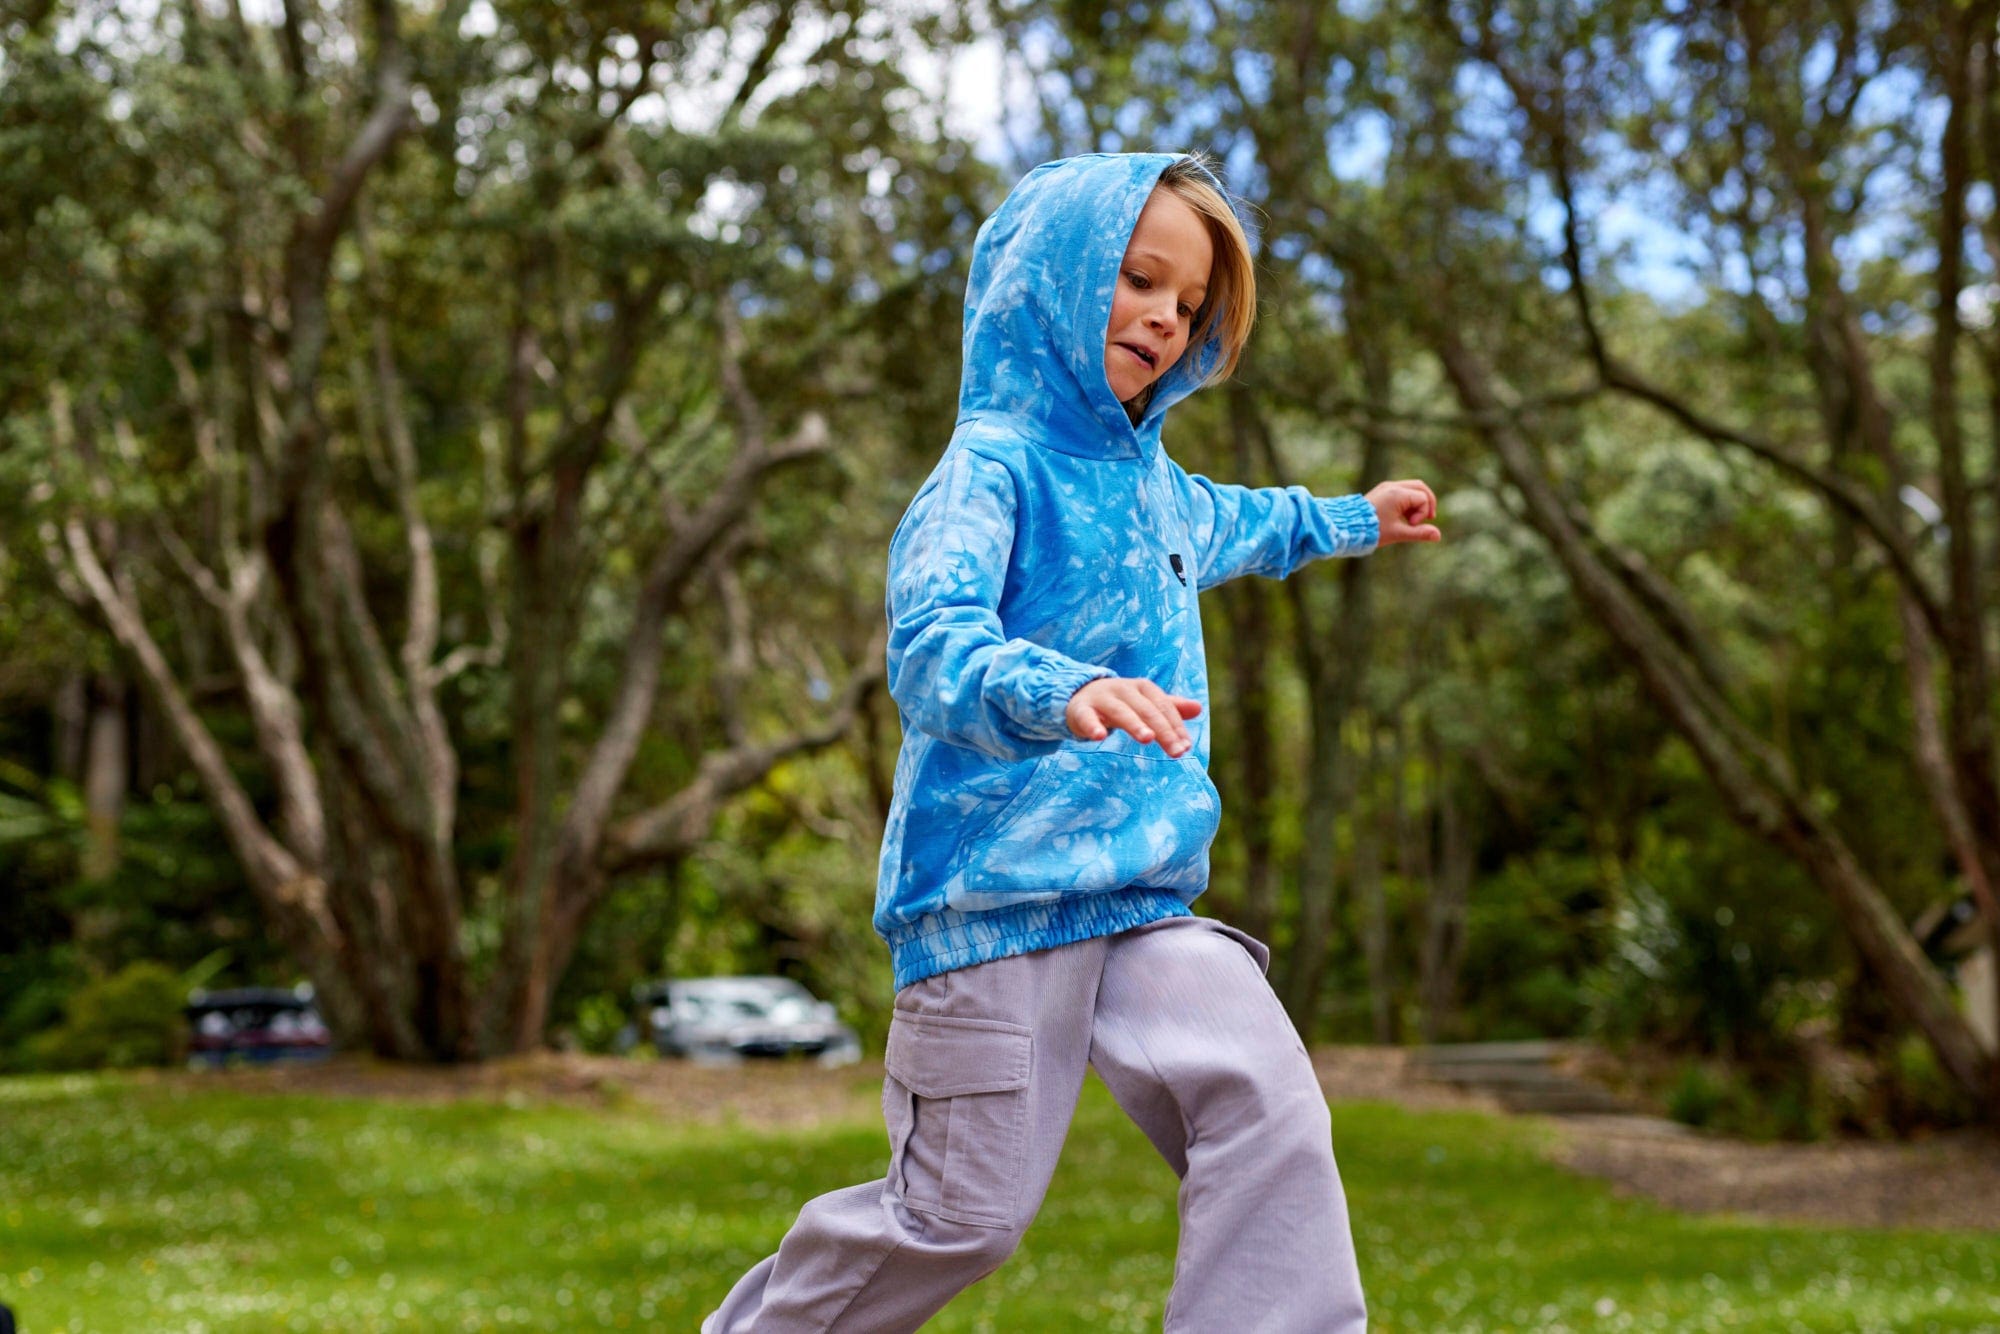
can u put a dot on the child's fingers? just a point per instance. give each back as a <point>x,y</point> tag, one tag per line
<point>1154,720</point>
<point>1414,500</point>
<point>1117,712</point>
<point>1087,723</point>
<point>1145,721</point>
<point>1135,706</point>
<point>1409,532</point>
<point>1160,705</point>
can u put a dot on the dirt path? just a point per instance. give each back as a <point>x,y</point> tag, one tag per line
<point>1951,1181</point>
<point>1947,1182</point>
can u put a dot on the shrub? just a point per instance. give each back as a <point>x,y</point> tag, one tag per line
<point>1697,1097</point>
<point>130,1018</point>
<point>1759,1103</point>
<point>33,990</point>
<point>598,1021</point>
<point>1917,1093</point>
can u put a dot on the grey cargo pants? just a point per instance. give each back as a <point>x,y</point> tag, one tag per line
<point>984,1067</point>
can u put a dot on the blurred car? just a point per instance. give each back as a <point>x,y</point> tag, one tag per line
<point>725,1019</point>
<point>257,1025</point>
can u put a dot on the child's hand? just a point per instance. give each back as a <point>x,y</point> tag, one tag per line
<point>1133,705</point>
<point>1405,511</point>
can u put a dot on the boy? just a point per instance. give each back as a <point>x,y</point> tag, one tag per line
<point>1053,812</point>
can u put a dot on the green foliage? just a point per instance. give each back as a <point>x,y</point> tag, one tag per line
<point>1699,1096</point>
<point>350,1214</point>
<point>599,1018</point>
<point>1533,935</point>
<point>36,985</point>
<point>1917,1092</point>
<point>1776,1103</point>
<point>130,1018</point>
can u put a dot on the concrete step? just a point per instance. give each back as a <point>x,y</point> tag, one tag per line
<point>1520,1076</point>
<point>1539,1052</point>
<point>1582,1100</point>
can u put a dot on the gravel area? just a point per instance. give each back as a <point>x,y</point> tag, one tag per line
<point>1949,1181</point>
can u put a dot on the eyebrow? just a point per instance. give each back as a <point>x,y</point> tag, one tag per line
<point>1161,259</point>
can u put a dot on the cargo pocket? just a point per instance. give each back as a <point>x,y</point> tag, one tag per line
<point>959,1124</point>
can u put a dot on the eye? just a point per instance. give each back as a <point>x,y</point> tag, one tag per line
<point>1138,280</point>
<point>1187,311</point>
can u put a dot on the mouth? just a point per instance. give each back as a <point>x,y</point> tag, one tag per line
<point>1145,358</point>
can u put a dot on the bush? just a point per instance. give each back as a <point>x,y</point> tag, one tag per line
<point>1763,1103</point>
<point>129,1019</point>
<point>598,1021</point>
<point>34,986</point>
<point>1698,1097</point>
<point>1917,1094</point>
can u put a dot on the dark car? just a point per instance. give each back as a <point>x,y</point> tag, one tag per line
<point>725,1019</point>
<point>255,1024</point>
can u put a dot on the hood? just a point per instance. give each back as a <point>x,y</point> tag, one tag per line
<point>1038,306</point>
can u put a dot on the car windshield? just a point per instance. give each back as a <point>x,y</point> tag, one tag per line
<point>739,1005</point>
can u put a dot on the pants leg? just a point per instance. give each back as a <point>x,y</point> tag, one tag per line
<point>985,1065</point>
<point>1197,1049</point>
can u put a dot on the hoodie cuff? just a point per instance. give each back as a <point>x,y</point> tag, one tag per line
<point>1055,679</point>
<point>1356,528</point>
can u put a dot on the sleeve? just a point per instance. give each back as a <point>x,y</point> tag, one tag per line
<point>1271,531</point>
<point>952,669</point>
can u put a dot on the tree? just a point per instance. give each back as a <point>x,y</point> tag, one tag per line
<point>448,357</point>
<point>1795,163</point>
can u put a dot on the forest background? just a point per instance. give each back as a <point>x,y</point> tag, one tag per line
<point>449,452</point>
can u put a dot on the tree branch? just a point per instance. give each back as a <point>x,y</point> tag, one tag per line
<point>678,824</point>
<point>275,871</point>
<point>775,34</point>
<point>1845,495</point>
<point>420,636</point>
<point>667,574</point>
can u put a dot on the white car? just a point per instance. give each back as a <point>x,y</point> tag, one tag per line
<point>722,1020</point>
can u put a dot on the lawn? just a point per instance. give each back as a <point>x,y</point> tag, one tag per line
<point>130,1205</point>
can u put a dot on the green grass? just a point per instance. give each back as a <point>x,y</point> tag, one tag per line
<point>131,1206</point>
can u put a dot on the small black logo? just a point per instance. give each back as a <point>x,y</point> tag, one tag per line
<point>1180,572</point>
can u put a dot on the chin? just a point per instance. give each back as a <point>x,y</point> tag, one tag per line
<point>1126,391</point>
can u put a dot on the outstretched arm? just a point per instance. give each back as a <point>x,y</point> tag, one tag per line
<point>1272,531</point>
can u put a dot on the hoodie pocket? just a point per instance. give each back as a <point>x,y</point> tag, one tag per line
<point>1091,819</point>
<point>957,1101</point>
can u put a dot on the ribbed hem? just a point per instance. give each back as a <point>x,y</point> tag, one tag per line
<point>941,941</point>
<point>1356,521</point>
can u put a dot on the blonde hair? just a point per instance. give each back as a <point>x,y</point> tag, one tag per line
<point>1230,307</point>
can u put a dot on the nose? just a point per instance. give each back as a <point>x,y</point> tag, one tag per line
<point>1163,317</point>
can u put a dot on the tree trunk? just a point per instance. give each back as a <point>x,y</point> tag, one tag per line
<point>106,777</point>
<point>1333,649</point>
<point>1246,605</point>
<point>1443,949</point>
<point>70,710</point>
<point>1331,637</point>
<point>1370,820</point>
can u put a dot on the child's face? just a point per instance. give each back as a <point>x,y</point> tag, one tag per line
<point>1161,283</point>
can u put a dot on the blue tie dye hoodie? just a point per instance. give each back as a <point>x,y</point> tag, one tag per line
<point>1056,543</point>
